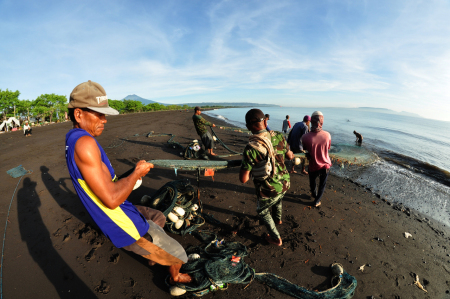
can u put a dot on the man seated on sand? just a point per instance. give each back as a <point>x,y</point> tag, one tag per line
<point>359,138</point>
<point>134,228</point>
<point>294,141</point>
<point>263,158</point>
<point>26,129</point>
<point>200,126</point>
<point>317,143</point>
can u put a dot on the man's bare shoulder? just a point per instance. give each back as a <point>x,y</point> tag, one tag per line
<point>86,148</point>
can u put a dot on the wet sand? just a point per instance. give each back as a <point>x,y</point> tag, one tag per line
<point>53,249</point>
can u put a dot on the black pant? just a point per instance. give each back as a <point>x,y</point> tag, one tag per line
<point>323,175</point>
<point>27,132</point>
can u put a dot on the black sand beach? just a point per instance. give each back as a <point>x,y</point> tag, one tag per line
<point>53,249</point>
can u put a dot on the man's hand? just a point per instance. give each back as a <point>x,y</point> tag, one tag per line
<point>213,125</point>
<point>142,168</point>
<point>289,155</point>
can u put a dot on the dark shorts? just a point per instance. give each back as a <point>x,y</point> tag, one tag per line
<point>207,140</point>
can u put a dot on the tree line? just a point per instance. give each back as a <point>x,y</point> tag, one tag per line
<point>52,107</point>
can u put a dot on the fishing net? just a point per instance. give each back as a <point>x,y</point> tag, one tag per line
<point>176,200</point>
<point>17,171</point>
<point>342,154</point>
<point>344,285</point>
<point>217,264</point>
<point>196,164</point>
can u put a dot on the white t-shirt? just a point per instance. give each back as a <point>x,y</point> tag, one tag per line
<point>26,127</point>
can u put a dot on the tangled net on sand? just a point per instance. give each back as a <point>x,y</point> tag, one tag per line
<point>344,154</point>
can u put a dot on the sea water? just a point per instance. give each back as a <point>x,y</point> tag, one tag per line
<point>413,165</point>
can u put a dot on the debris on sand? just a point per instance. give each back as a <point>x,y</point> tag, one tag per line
<point>418,284</point>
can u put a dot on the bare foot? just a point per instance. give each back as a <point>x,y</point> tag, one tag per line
<point>292,171</point>
<point>318,204</point>
<point>212,154</point>
<point>274,242</point>
<point>305,172</point>
<point>182,278</point>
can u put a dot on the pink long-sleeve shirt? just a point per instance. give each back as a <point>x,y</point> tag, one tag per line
<point>318,144</point>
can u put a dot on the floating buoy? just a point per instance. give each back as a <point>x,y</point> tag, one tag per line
<point>176,291</point>
<point>193,257</point>
<point>172,217</point>
<point>137,184</point>
<point>179,224</point>
<point>179,211</point>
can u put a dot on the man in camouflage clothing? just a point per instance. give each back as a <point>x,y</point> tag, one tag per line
<point>200,126</point>
<point>263,158</point>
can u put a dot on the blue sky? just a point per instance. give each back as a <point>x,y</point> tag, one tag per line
<point>387,54</point>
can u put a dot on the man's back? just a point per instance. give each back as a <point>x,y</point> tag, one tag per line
<point>295,135</point>
<point>317,144</point>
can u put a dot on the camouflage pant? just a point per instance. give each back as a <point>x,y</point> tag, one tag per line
<point>263,210</point>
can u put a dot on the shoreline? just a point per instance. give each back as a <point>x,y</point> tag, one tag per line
<point>49,232</point>
<point>434,207</point>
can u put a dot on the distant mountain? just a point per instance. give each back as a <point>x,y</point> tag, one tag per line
<point>410,114</point>
<point>386,110</point>
<point>134,97</point>
<point>233,104</point>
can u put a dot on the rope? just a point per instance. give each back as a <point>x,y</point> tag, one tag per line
<point>223,144</point>
<point>4,235</point>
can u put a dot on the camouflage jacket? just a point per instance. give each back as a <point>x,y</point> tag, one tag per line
<point>200,124</point>
<point>280,183</point>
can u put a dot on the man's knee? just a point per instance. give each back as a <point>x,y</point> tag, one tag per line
<point>153,215</point>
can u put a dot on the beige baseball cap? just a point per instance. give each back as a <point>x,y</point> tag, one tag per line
<point>91,95</point>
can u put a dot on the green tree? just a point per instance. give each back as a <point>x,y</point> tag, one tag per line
<point>8,99</point>
<point>52,102</point>
<point>25,107</point>
<point>133,106</point>
<point>117,104</point>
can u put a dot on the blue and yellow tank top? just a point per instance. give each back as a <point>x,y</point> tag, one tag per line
<point>124,225</point>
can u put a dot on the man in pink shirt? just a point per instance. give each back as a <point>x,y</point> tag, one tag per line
<point>317,143</point>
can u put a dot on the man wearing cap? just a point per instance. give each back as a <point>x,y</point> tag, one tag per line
<point>200,126</point>
<point>295,145</point>
<point>263,158</point>
<point>134,228</point>
<point>317,143</point>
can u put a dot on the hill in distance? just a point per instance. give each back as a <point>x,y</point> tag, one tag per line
<point>233,104</point>
<point>134,97</point>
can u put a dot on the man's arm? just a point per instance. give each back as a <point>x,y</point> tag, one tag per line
<point>207,123</point>
<point>98,178</point>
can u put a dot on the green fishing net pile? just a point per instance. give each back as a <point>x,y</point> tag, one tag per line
<point>176,194</point>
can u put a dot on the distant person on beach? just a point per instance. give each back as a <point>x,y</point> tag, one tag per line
<point>317,143</point>
<point>286,124</point>
<point>134,228</point>
<point>267,119</point>
<point>359,138</point>
<point>200,126</point>
<point>294,141</point>
<point>263,158</point>
<point>26,129</point>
